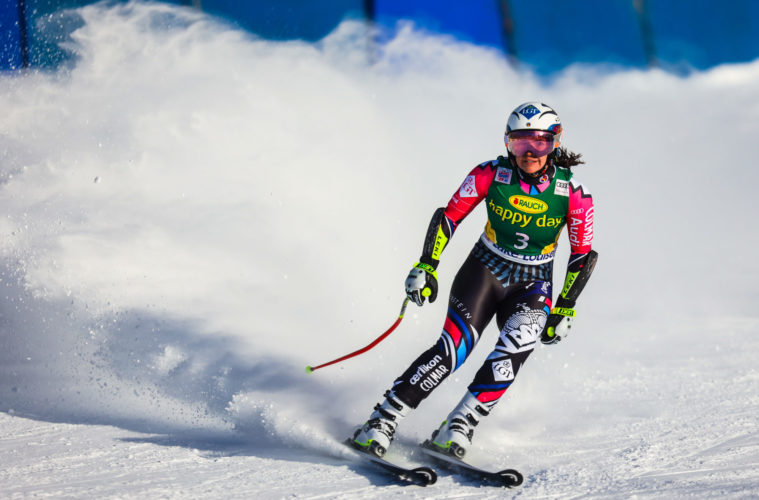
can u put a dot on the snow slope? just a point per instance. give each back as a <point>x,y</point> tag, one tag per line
<point>191,215</point>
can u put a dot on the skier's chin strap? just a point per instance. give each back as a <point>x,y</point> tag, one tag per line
<point>543,175</point>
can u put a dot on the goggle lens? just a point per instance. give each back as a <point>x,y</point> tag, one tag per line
<point>538,142</point>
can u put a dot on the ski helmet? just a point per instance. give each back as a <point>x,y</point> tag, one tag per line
<point>534,116</point>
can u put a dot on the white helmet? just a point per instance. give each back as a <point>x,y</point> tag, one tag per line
<point>534,116</point>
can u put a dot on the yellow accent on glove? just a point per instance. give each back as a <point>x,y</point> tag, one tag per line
<point>426,267</point>
<point>568,282</point>
<point>441,240</point>
<point>564,311</point>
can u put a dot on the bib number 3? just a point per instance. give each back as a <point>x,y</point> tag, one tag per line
<point>522,241</point>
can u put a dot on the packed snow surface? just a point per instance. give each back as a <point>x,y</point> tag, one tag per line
<point>191,215</point>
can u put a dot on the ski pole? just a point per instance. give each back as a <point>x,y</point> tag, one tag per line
<point>311,369</point>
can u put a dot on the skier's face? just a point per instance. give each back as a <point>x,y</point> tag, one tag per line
<point>529,163</point>
<point>531,148</point>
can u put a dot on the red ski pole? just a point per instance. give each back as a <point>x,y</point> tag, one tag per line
<point>311,369</point>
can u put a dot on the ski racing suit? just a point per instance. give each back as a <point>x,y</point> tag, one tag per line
<point>508,273</point>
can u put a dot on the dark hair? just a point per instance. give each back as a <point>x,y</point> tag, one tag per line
<point>566,159</point>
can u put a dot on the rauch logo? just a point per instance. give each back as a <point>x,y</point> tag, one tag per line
<point>527,204</point>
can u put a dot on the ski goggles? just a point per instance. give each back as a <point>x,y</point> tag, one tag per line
<point>539,142</point>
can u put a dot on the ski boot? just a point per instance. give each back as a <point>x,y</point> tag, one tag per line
<point>455,434</point>
<point>377,433</point>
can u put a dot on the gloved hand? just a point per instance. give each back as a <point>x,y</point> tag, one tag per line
<point>421,283</point>
<point>558,324</point>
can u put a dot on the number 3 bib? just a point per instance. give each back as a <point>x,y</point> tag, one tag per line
<point>525,227</point>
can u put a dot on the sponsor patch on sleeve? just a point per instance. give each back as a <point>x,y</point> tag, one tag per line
<point>503,175</point>
<point>468,188</point>
<point>562,188</point>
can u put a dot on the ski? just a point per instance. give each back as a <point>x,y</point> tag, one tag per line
<point>421,476</point>
<point>507,477</point>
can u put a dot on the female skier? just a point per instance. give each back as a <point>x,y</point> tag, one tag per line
<point>530,196</point>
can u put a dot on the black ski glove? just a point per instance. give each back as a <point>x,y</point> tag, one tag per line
<point>421,283</point>
<point>558,324</point>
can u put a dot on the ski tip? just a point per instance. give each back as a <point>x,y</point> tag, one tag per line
<point>309,369</point>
